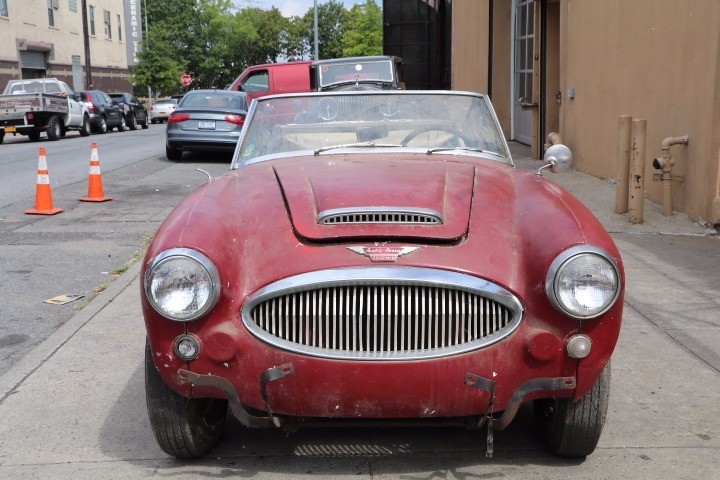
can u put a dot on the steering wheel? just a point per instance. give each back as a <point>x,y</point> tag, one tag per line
<point>454,138</point>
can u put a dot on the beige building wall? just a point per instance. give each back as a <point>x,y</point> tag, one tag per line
<point>470,45</point>
<point>502,64</point>
<point>655,60</point>
<point>27,27</point>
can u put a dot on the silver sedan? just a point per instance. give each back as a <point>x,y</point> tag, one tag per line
<point>206,120</point>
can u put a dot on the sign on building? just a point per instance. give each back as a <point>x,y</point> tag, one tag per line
<point>133,30</point>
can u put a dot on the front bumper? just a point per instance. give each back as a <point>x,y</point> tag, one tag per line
<point>549,385</point>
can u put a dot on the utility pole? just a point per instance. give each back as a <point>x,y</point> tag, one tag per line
<point>317,55</point>
<point>86,41</point>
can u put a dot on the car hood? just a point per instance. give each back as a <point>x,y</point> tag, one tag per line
<point>255,221</point>
<point>371,197</point>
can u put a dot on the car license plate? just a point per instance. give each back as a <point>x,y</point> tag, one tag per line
<point>10,129</point>
<point>207,124</point>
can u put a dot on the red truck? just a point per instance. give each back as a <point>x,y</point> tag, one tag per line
<point>271,78</point>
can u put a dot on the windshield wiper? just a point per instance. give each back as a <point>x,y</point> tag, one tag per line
<point>356,145</point>
<point>430,151</point>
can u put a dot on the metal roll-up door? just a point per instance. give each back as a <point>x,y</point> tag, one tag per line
<point>33,60</point>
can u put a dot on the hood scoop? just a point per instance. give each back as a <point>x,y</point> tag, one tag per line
<point>378,199</point>
<point>384,215</point>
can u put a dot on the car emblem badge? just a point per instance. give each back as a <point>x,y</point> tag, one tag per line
<point>381,253</point>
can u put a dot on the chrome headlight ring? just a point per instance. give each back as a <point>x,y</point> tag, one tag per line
<point>182,284</point>
<point>583,282</point>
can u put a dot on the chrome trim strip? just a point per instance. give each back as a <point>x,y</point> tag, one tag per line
<point>564,257</point>
<point>325,215</point>
<point>384,277</point>
<point>204,261</point>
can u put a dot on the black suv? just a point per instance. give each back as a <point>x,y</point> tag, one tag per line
<point>133,109</point>
<point>104,113</point>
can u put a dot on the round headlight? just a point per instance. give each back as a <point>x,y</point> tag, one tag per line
<point>182,284</point>
<point>583,282</point>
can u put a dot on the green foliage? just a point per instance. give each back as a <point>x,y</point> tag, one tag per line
<point>332,18</point>
<point>214,42</point>
<point>364,31</point>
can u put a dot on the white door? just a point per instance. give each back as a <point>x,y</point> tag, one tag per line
<point>523,70</point>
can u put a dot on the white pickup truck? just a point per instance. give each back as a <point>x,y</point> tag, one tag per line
<point>30,107</point>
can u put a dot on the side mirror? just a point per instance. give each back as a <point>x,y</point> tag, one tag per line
<point>557,158</point>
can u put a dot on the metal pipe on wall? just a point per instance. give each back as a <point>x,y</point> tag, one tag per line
<point>666,164</point>
<point>637,171</point>
<point>623,163</point>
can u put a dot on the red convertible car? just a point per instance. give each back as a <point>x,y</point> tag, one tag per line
<point>376,258</point>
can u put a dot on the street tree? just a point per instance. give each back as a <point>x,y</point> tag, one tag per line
<point>159,67</point>
<point>332,18</point>
<point>363,30</point>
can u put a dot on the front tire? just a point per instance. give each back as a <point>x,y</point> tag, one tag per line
<point>573,429</point>
<point>144,123</point>
<point>133,122</point>
<point>173,153</point>
<point>123,126</point>
<point>85,128</point>
<point>184,427</point>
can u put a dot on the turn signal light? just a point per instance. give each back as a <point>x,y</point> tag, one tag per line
<point>236,119</point>
<point>178,117</point>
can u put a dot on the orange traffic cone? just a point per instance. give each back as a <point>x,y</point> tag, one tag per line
<point>95,187</point>
<point>43,193</point>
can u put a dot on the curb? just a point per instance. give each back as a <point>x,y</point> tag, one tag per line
<point>15,377</point>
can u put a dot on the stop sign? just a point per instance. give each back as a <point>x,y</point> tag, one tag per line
<point>186,79</point>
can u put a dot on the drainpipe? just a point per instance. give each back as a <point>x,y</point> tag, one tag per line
<point>553,138</point>
<point>666,163</point>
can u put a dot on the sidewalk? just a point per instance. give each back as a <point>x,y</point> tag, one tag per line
<point>599,196</point>
<point>75,407</point>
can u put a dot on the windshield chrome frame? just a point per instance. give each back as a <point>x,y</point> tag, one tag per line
<point>237,163</point>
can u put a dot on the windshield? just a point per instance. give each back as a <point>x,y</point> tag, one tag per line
<point>333,73</point>
<point>432,122</point>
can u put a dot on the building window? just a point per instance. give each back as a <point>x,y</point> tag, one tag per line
<point>73,5</point>
<point>3,8</point>
<point>119,29</point>
<point>91,19</point>
<point>51,13</point>
<point>108,28</point>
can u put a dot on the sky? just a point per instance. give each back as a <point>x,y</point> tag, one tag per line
<point>292,7</point>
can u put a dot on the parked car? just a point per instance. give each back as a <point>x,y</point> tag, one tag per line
<point>205,120</point>
<point>133,109</point>
<point>161,109</point>
<point>104,113</point>
<point>375,256</point>
<point>381,72</point>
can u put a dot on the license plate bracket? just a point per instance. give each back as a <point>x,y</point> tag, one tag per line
<point>206,124</point>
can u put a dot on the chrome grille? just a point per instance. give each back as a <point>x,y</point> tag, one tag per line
<point>387,215</point>
<point>373,319</point>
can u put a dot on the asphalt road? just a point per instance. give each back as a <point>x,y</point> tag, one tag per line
<point>77,251</point>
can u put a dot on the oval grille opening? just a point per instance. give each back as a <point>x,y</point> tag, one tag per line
<point>383,321</point>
